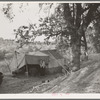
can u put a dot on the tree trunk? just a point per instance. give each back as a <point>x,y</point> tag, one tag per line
<point>85,44</point>
<point>76,42</point>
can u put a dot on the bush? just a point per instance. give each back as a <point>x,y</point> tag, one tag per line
<point>2,55</point>
<point>1,77</point>
<point>9,56</point>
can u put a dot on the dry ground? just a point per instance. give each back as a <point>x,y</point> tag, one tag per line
<point>23,83</point>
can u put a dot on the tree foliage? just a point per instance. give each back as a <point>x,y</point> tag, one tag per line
<point>8,9</point>
<point>26,34</point>
<point>94,36</point>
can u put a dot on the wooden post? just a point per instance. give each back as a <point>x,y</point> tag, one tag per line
<point>16,59</point>
<point>26,73</point>
<point>7,64</point>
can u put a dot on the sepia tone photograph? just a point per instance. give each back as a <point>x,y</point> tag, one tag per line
<point>49,48</point>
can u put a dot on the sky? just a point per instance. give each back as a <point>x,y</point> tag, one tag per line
<point>30,14</point>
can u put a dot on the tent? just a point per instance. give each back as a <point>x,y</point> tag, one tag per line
<point>56,61</point>
<point>31,60</point>
<point>55,57</point>
<point>22,60</point>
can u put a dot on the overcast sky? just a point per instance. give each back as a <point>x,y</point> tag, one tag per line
<point>30,14</point>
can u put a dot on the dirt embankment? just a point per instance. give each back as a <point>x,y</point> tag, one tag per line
<point>86,80</point>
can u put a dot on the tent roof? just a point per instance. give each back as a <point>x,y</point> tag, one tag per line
<point>54,53</point>
<point>38,53</point>
<point>20,59</point>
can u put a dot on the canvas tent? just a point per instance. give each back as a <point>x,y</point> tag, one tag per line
<point>56,61</point>
<point>32,58</point>
<point>51,58</point>
<point>55,57</point>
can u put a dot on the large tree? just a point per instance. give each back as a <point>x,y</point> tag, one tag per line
<point>79,16</point>
<point>71,20</point>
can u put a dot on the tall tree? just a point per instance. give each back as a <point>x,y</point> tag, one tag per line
<point>73,20</point>
<point>80,18</point>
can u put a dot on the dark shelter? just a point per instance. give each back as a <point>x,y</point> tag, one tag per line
<point>37,63</point>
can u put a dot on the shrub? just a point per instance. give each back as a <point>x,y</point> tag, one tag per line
<point>2,55</point>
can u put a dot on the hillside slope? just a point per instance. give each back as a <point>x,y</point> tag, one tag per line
<point>86,80</point>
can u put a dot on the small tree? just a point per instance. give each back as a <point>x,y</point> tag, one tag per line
<point>2,54</point>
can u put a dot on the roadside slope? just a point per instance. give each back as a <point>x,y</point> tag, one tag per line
<point>85,80</point>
